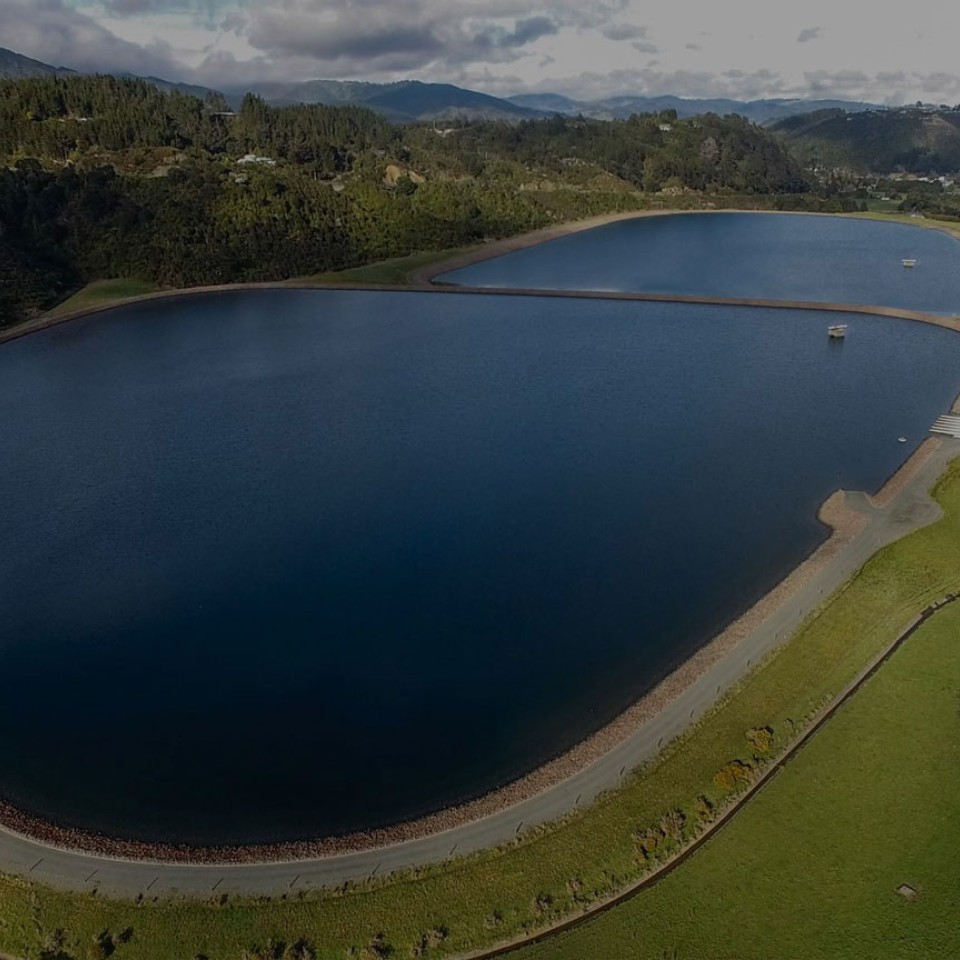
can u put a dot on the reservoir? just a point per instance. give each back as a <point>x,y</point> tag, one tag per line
<point>742,255</point>
<point>282,564</point>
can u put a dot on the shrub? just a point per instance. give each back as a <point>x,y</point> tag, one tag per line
<point>103,946</point>
<point>732,775</point>
<point>704,809</point>
<point>672,823</point>
<point>760,739</point>
<point>377,949</point>
<point>542,904</point>
<point>649,841</point>
<point>430,940</point>
<point>301,950</point>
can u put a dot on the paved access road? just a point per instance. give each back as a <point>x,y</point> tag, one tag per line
<point>910,509</point>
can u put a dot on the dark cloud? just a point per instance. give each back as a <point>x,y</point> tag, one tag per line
<point>623,31</point>
<point>533,28</point>
<point>374,35</point>
<point>653,81</point>
<point>497,38</point>
<point>125,8</point>
<point>941,85</point>
<point>827,83</point>
<point>55,33</point>
<point>233,23</point>
<point>205,10</point>
<point>460,41</point>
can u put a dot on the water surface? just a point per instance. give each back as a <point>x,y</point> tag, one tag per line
<point>281,564</point>
<point>752,255</point>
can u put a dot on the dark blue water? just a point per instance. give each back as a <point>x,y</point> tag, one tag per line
<point>782,257</point>
<point>279,564</point>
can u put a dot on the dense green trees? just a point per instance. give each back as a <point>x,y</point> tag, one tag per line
<point>104,177</point>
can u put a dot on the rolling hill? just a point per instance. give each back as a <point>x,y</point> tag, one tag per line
<point>15,65</point>
<point>402,102</point>
<point>619,108</point>
<point>407,101</point>
<point>922,141</point>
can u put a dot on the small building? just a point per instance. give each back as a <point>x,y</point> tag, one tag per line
<point>253,158</point>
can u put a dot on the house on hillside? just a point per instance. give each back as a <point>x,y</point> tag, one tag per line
<point>253,158</point>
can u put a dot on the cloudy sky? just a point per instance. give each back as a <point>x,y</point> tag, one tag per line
<point>696,48</point>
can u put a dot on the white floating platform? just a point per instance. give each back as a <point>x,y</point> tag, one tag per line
<point>949,426</point>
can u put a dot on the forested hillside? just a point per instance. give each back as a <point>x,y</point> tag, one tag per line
<point>880,142</point>
<point>104,177</point>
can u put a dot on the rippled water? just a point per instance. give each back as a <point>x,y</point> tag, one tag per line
<point>278,564</point>
<point>752,255</point>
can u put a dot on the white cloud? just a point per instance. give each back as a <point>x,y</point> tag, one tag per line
<point>55,33</point>
<point>850,50</point>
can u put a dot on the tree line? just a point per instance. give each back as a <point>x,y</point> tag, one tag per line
<point>104,177</point>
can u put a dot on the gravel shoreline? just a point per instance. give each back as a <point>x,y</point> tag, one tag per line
<point>846,523</point>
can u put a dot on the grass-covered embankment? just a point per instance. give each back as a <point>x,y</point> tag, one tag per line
<point>101,292</point>
<point>930,222</point>
<point>500,894</point>
<point>399,271</point>
<point>811,867</point>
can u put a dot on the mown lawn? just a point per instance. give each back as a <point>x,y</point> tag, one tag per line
<point>930,222</point>
<point>498,894</point>
<point>811,867</point>
<point>103,291</point>
<point>398,271</point>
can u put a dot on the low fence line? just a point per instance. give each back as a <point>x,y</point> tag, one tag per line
<point>666,868</point>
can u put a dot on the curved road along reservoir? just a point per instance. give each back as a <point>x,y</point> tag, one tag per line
<point>769,624</point>
<point>911,509</point>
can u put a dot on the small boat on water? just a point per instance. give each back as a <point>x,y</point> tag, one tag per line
<point>908,262</point>
<point>838,331</point>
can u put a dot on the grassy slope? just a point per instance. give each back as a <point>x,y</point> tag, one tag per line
<point>596,849</point>
<point>810,868</point>
<point>930,222</point>
<point>388,271</point>
<point>102,291</point>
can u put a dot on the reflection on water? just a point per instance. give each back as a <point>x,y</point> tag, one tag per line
<point>277,564</point>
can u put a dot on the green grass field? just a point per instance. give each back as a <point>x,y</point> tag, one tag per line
<point>398,271</point>
<point>883,206</point>
<point>102,292</point>
<point>810,868</point>
<point>499,894</point>
<point>929,222</point>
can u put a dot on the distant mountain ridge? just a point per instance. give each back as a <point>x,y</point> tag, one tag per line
<point>406,101</point>
<point>15,65</point>
<point>619,108</point>
<point>403,102</point>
